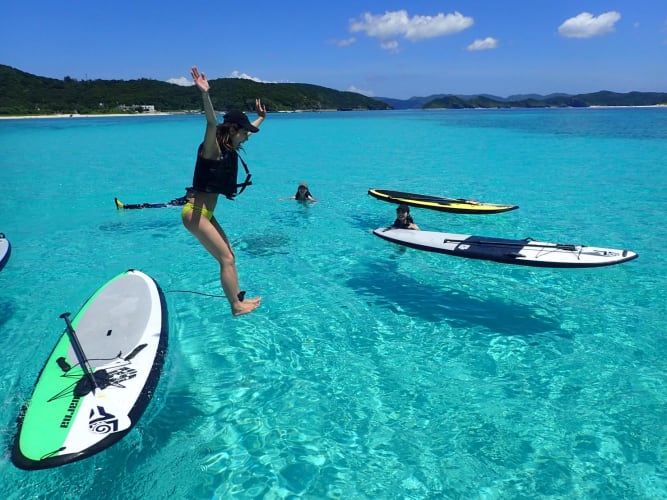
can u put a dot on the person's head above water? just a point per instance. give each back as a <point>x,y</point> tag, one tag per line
<point>303,193</point>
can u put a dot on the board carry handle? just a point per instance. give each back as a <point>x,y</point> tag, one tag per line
<point>78,351</point>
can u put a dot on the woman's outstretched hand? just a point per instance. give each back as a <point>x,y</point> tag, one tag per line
<point>200,79</point>
<point>261,109</point>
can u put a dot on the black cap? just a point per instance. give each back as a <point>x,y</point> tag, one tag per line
<point>238,118</point>
<point>403,208</point>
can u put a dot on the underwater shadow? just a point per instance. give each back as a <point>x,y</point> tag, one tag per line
<point>391,289</point>
<point>263,245</point>
<point>7,309</point>
<point>369,222</point>
<point>142,225</point>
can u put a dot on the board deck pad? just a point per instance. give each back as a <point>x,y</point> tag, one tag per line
<point>122,330</point>
<point>124,309</point>
<point>525,252</point>
<point>439,203</point>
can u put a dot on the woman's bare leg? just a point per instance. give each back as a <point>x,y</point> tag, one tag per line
<point>211,235</point>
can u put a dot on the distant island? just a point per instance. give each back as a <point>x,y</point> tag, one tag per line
<point>602,98</point>
<point>23,94</point>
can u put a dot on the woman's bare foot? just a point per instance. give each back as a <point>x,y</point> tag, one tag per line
<point>245,306</point>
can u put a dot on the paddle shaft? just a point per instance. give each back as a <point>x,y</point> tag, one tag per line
<point>78,352</point>
<point>556,246</point>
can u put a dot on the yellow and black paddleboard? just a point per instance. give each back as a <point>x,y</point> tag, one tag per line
<point>454,205</point>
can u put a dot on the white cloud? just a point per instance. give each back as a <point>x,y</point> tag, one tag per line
<point>389,26</point>
<point>367,93</point>
<point>245,76</point>
<point>586,25</point>
<point>346,42</point>
<point>390,46</point>
<point>487,44</point>
<point>182,81</point>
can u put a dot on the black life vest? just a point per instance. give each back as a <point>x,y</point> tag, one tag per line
<point>221,175</point>
<point>398,224</point>
<point>305,195</point>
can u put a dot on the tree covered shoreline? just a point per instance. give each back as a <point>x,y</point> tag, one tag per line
<point>23,94</point>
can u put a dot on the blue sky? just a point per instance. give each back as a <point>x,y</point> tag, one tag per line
<point>389,48</point>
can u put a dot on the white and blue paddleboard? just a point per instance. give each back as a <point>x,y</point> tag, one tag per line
<point>100,376</point>
<point>526,252</point>
<point>5,250</point>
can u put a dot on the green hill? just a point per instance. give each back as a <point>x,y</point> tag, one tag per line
<point>25,94</point>
<point>602,98</point>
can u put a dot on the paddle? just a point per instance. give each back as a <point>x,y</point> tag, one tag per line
<point>78,352</point>
<point>102,417</point>
<point>416,200</point>
<point>518,243</point>
<point>554,246</point>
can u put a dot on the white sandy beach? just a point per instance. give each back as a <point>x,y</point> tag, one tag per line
<point>159,113</point>
<point>108,115</point>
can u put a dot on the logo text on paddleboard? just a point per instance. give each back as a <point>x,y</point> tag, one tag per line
<point>69,413</point>
<point>101,422</point>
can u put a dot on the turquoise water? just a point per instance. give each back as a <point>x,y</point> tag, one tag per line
<point>368,372</point>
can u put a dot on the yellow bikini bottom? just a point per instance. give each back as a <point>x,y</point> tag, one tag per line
<point>189,207</point>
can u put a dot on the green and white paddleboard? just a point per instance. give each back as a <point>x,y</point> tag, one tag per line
<point>100,376</point>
